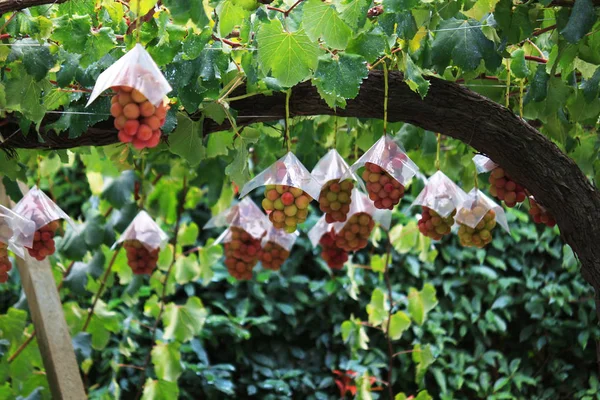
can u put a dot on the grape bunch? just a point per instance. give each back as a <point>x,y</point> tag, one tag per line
<point>540,214</point>
<point>6,234</point>
<point>433,225</point>
<point>287,206</point>
<point>355,233</point>
<point>137,120</point>
<point>383,189</point>
<point>481,235</point>
<point>335,199</point>
<point>139,258</point>
<point>272,256</point>
<point>43,241</point>
<point>504,188</point>
<point>331,253</point>
<point>241,254</point>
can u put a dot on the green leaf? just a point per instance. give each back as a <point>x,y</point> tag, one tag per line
<point>582,18</point>
<point>184,322</point>
<point>102,324</point>
<point>12,325</point>
<point>591,87</point>
<point>424,358</point>
<point>183,10</point>
<point>321,20</point>
<point>367,44</point>
<point>166,358</point>
<point>160,390</point>
<point>23,95</point>
<point>72,32</point>
<point>414,77</point>
<point>354,12</point>
<point>186,140</point>
<point>219,144</point>
<point>405,238</point>
<point>378,263</point>
<point>376,308</point>
<point>119,191</point>
<point>208,256</point>
<point>186,269</point>
<point>141,7</point>
<point>238,169</point>
<point>98,45</point>
<point>214,111</point>
<point>399,323</point>
<point>463,42</point>
<point>421,302</point>
<point>230,15</point>
<point>538,87</point>
<point>38,61</point>
<point>290,57</point>
<point>340,77</point>
<point>518,65</point>
<point>188,234</point>
<point>399,6</point>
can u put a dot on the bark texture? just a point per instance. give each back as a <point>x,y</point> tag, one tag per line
<point>528,156</point>
<point>16,5</point>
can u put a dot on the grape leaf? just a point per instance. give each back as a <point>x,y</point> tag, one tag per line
<point>69,64</point>
<point>463,42</point>
<point>186,270</point>
<point>376,308</point>
<point>582,18</point>
<point>72,32</point>
<point>367,44</point>
<point>238,169</point>
<point>23,95</point>
<point>186,140</point>
<point>160,390</point>
<point>321,20</point>
<point>290,57</point>
<point>230,15</point>
<point>398,6</point>
<point>341,76</point>
<point>38,61</point>
<point>423,357</point>
<point>414,77</point>
<point>208,256</point>
<point>219,143</point>
<point>183,10</point>
<point>99,43</point>
<point>398,325</point>
<point>591,87</point>
<point>513,22</point>
<point>141,7</point>
<point>119,191</point>
<point>166,358</point>
<point>354,12</point>
<point>183,322</point>
<point>421,302</point>
<point>538,87</point>
<point>518,65</point>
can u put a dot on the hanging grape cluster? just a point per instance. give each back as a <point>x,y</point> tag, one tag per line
<point>272,256</point>
<point>241,253</point>
<point>137,120</point>
<point>139,258</point>
<point>384,190</point>
<point>504,188</point>
<point>43,241</point>
<point>334,256</point>
<point>540,214</point>
<point>335,199</point>
<point>433,225</point>
<point>287,206</point>
<point>481,235</point>
<point>355,233</point>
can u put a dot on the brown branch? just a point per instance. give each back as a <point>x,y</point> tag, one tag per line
<point>287,12</point>
<point>541,60</point>
<point>16,5</point>
<point>22,347</point>
<point>100,289</point>
<point>180,207</point>
<point>226,41</point>
<point>143,19</point>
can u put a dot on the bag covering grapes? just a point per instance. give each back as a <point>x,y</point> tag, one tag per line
<point>276,247</point>
<point>15,233</point>
<point>387,170</point>
<point>477,217</point>
<point>142,240</point>
<point>139,105</point>
<point>324,235</point>
<point>439,200</point>
<point>289,189</point>
<point>353,234</point>
<point>501,185</point>
<point>336,194</point>
<point>45,215</point>
<point>540,214</point>
<point>246,225</point>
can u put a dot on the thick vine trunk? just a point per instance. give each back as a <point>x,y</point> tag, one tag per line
<point>16,5</point>
<point>528,156</point>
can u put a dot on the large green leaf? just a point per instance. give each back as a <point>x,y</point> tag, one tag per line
<point>583,16</point>
<point>421,302</point>
<point>184,322</point>
<point>186,140</point>
<point>321,20</point>
<point>423,357</point>
<point>399,323</point>
<point>463,43</point>
<point>340,77</point>
<point>289,56</point>
<point>160,390</point>
<point>238,169</point>
<point>166,358</point>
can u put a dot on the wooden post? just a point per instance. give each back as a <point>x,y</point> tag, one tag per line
<point>52,332</point>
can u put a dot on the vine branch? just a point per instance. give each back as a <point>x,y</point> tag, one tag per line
<point>100,289</point>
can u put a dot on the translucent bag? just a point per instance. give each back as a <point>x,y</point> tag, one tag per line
<point>441,195</point>
<point>387,170</point>
<point>477,217</point>
<point>276,248</point>
<point>483,164</point>
<point>324,235</point>
<point>362,205</point>
<point>137,70</point>
<point>143,229</point>
<point>335,195</point>
<point>245,215</point>
<point>40,209</point>
<point>16,232</point>
<point>283,239</point>
<point>317,231</point>
<point>289,190</point>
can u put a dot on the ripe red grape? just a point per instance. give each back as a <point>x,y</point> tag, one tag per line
<point>139,258</point>
<point>287,206</point>
<point>540,214</point>
<point>331,253</point>
<point>384,190</point>
<point>504,188</point>
<point>355,233</point>
<point>241,254</point>
<point>272,256</point>
<point>335,199</point>
<point>433,225</point>
<point>43,241</point>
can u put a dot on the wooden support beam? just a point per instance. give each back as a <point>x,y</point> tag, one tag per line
<point>52,332</point>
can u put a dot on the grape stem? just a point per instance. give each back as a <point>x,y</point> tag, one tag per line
<point>99,292</point>
<point>144,367</point>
